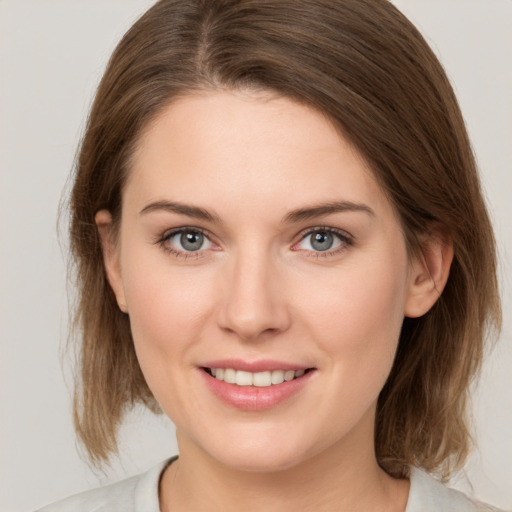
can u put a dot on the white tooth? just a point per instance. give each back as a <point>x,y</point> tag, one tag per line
<point>243,378</point>
<point>262,379</point>
<point>258,379</point>
<point>289,375</point>
<point>229,375</point>
<point>277,377</point>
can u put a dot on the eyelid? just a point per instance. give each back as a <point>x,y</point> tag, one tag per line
<point>168,234</point>
<point>346,238</point>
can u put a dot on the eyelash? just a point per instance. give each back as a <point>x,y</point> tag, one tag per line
<point>346,241</point>
<point>168,235</point>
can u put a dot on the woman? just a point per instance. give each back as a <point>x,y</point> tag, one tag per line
<point>281,242</point>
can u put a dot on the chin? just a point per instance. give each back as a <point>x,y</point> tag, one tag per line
<point>258,461</point>
<point>267,451</point>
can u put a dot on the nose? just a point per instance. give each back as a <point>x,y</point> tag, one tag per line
<point>254,302</point>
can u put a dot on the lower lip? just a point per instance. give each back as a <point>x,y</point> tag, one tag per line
<point>253,398</point>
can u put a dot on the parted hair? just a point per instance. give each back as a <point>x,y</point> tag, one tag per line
<point>366,67</point>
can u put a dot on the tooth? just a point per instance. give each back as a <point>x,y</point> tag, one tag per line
<point>289,375</point>
<point>277,377</point>
<point>243,378</point>
<point>262,379</point>
<point>258,379</point>
<point>229,375</point>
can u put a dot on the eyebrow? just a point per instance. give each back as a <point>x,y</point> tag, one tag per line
<point>319,210</point>
<point>184,209</point>
<point>294,216</point>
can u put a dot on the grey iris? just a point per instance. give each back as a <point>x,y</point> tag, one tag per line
<point>322,240</point>
<point>191,241</point>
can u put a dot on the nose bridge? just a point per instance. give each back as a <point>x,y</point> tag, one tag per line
<point>254,302</point>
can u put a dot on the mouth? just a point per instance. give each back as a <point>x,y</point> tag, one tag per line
<point>262,379</point>
<point>256,385</point>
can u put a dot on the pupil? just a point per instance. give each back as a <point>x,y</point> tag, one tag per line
<point>191,241</point>
<point>322,241</point>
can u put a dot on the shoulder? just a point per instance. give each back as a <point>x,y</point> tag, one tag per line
<point>118,496</point>
<point>429,495</point>
<point>139,492</point>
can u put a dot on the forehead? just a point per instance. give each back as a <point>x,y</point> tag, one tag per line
<point>247,148</point>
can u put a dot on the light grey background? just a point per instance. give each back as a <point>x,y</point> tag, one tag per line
<point>52,54</point>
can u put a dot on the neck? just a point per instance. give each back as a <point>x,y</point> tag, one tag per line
<point>344,477</point>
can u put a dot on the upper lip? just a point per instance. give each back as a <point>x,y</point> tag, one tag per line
<point>261,365</point>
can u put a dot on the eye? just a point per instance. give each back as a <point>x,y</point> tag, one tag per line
<point>323,240</point>
<point>186,240</point>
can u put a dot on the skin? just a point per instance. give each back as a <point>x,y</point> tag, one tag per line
<point>258,289</point>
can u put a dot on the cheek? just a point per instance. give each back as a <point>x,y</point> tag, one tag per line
<point>166,309</point>
<point>168,312</point>
<point>357,314</point>
<point>167,305</point>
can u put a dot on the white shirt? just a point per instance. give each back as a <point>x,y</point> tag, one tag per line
<point>140,494</point>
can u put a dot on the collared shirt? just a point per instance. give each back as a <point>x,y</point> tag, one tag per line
<point>140,494</point>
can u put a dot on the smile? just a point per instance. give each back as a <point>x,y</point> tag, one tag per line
<point>255,386</point>
<point>258,379</point>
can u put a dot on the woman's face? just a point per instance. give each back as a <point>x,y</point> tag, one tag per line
<point>256,245</point>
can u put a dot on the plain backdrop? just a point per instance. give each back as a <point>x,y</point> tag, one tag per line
<point>52,54</point>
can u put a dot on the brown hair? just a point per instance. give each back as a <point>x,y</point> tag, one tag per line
<point>363,64</point>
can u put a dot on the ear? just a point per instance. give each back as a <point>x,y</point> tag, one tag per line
<point>110,251</point>
<point>429,271</point>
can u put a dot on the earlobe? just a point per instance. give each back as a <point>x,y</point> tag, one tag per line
<point>429,272</point>
<point>109,248</point>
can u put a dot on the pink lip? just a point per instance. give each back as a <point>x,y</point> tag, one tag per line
<point>252,398</point>
<point>264,365</point>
